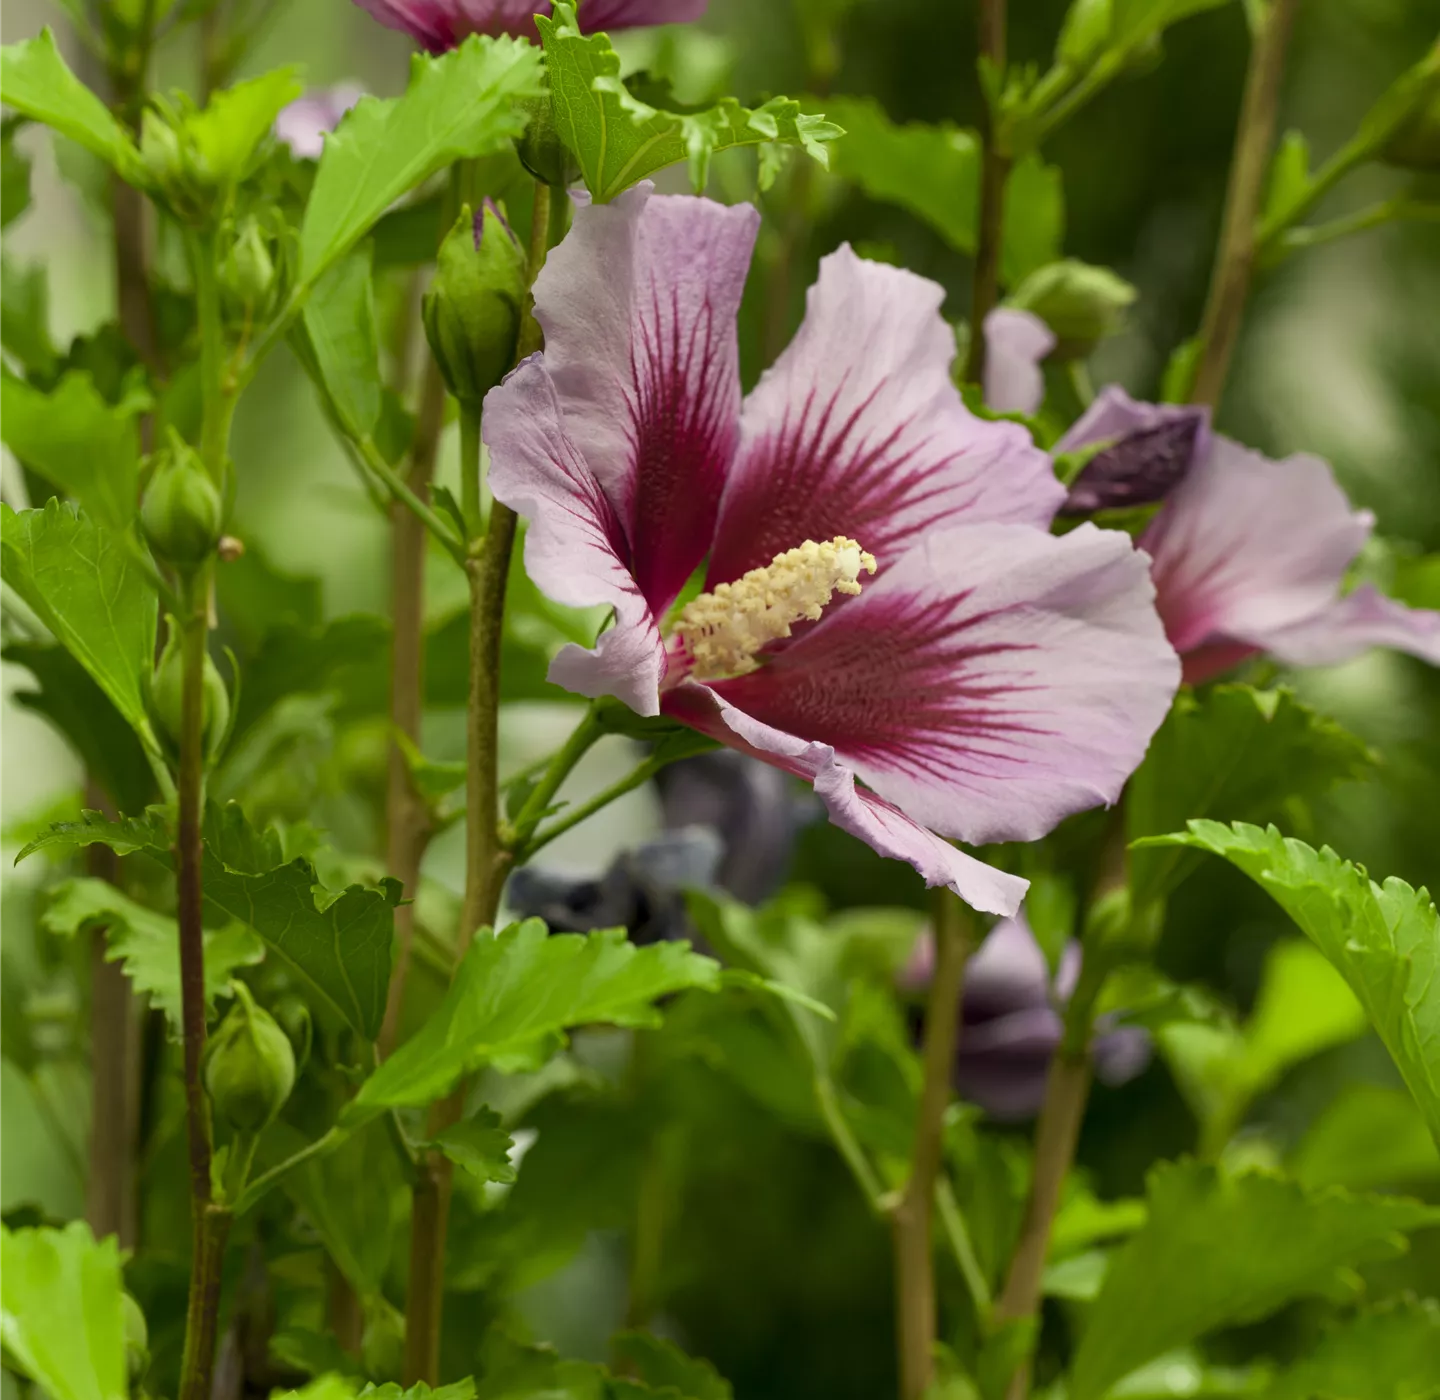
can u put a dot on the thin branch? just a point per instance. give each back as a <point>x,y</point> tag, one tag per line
<point>994,169</point>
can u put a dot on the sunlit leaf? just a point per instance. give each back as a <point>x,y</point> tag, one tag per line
<point>339,325</point>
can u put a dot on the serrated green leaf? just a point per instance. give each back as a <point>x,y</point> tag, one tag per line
<point>1389,1353</point>
<point>237,119</point>
<point>147,943</point>
<point>458,106</point>
<point>90,449</point>
<point>480,1145</point>
<point>61,1316</point>
<point>80,582</point>
<point>1234,753</point>
<point>514,997</point>
<point>35,81</point>
<point>933,171</point>
<point>344,345</point>
<point>662,1364</point>
<point>619,139</point>
<point>124,835</point>
<point>1229,1249</point>
<point>1383,939</point>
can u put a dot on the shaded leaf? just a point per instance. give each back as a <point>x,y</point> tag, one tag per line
<point>1369,1136</point>
<point>25,316</point>
<point>1033,231</point>
<point>1230,1249</point>
<point>344,347</point>
<point>1390,1353</point>
<point>456,107</point>
<point>1383,939</point>
<point>618,139</point>
<point>662,1364</point>
<point>61,1315</point>
<point>514,997</point>
<point>14,179</point>
<point>79,581</point>
<point>480,1145</point>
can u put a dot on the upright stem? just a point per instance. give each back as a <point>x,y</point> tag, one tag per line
<point>914,1257</point>
<point>1235,257</point>
<point>487,857</point>
<point>407,821</point>
<point>994,168</point>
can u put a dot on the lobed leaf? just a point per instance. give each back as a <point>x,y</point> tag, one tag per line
<point>458,106</point>
<point>1229,1248</point>
<point>480,1145</point>
<point>515,996</point>
<point>619,140</point>
<point>1383,939</point>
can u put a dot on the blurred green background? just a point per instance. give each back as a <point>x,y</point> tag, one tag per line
<point>779,1276</point>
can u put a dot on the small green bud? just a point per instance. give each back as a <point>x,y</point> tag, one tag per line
<point>1080,303</point>
<point>540,148</point>
<point>175,169</point>
<point>182,514</point>
<point>137,1337</point>
<point>1415,143</point>
<point>250,1067</point>
<point>474,303</point>
<point>248,270</point>
<point>167,696</point>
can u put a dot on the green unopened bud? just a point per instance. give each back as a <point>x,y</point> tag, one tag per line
<point>248,270</point>
<point>167,687</point>
<point>174,168</point>
<point>182,513</point>
<point>473,307</point>
<point>250,1067</point>
<point>1080,303</point>
<point>137,1337</point>
<point>540,148</point>
<point>1415,143</point>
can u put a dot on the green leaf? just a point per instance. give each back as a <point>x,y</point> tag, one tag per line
<point>61,1315</point>
<point>619,139</point>
<point>480,1145</point>
<point>1234,753</point>
<point>340,325</point>
<point>124,835</point>
<point>147,943</point>
<point>1384,939</point>
<point>14,177</point>
<point>1289,176</point>
<point>1368,1136</point>
<point>514,997</point>
<point>90,449</point>
<point>35,81</point>
<point>1034,219</point>
<point>237,119</point>
<point>662,1364</point>
<point>1389,1353</point>
<point>80,582</point>
<point>1229,1249</point>
<point>25,316</point>
<point>931,171</point>
<point>458,106</point>
<point>1084,32</point>
<point>1136,21</point>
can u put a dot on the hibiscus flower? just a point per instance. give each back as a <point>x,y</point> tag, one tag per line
<point>884,612</point>
<point>438,25</point>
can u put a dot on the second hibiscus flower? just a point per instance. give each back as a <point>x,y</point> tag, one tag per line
<point>988,680</point>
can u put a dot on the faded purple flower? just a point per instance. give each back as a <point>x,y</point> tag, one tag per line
<point>1150,452</point>
<point>1249,556</point>
<point>438,25</point>
<point>1015,344</point>
<point>1010,1024</point>
<point>303,124</point>
<point>989,681</point>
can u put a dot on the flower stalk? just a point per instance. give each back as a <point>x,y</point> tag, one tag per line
<point>1239,235</point>
<point>994,169</point>
<point>914,1212</point>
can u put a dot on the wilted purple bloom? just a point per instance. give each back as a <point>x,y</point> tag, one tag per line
<point>438,25</point>
<point>1150,452</point>
<point>1010,1025</point>
<point>1015,344</point>
<point>990,681</point>
<point>642,892</point>
<point>303,124</point>
<point>1249,555</point>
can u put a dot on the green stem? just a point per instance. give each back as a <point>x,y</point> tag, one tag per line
<point>1095,80</point>
<point>401,492</point>
<point>470,467</point>
<point>1235,257</point>
<point>914,1257</point>
<point>952,1219</point>
<point>847,1143</point>
<point>1374,216</point>
<point>262,1183</point>
<point>994,168</point>
<point>560,766</point>
<point>638,777</point>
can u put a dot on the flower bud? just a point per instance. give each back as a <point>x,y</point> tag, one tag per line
<point>540,148</point>
<point>182,513</point>
<point>473,307</point>
<point>248,271</point>
<point>167,696</point>
<point>137,1337</point>
<point>1415,143</point>
<point>250,1067</point>
<point>175,170</point>
<point>1080,303</point>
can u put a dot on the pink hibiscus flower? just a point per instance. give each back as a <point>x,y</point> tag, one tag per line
<point>438,25</point>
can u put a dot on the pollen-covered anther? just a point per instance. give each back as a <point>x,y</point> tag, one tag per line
<point>724,630</point>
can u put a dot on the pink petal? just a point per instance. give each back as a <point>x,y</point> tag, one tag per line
<point>1246,545</point>
<point>304,123</point>
<point>857,430</point>
<point>990,682</point>
<point>630,14</point>
<point>638,306</point>
<point>863,814</point>
<point>1350,625</point>
<point>575,546</point>
<point>1015,344</point>
<point>1008,972</point>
